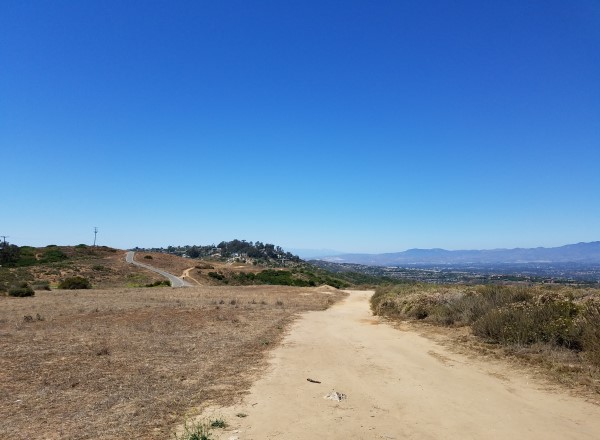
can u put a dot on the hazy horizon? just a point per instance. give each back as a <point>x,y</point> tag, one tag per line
<point>352,126</point>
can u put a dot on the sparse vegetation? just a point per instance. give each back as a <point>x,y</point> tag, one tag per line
<point>75,283</point>
<point>107,347</point>
<point>195,431</point>
<point>218,423</point>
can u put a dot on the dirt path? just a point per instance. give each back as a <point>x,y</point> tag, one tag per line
<point>186,275</point>
<point>399,385</point>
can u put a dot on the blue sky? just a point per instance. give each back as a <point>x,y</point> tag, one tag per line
<point>349,125</point>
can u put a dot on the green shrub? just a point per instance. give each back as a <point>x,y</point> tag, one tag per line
<point>280,278</point>
<point>21,290</point>
<point>195,431</point>
<point>216,276</point>
<point>100,268</point>
<point>218,423</point>
<point>75,283</point>
<point>148,257</point>
<point>160,283</point>
<point>52,255</point>
<point>41,285</point>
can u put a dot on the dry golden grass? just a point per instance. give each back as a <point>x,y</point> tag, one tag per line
<point>171,263</point>
<point>131,363</point>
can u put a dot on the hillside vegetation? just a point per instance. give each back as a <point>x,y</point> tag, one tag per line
<point>49,266</point>
<point>259,253</point>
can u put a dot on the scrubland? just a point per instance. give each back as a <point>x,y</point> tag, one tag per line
<point>554,326</point>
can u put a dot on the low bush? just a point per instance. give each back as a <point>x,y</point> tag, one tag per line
<point>21,290</point>
<point>447,305</point>
<point>100,268</point>
<point>280,278</point>
<point>52,255</point>
<point>148,257</point>
<point>509,315</point>
<point>41,285</point>
<point>160,283</point>
<point>549,319</point>
<point>195,431</point>
<point>216,276</point>
<point>75,283</point>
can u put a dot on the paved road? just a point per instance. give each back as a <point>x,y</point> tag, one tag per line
<point>175,281</point>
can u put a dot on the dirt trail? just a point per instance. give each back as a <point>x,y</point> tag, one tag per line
<point>186,275</point>
<point>399,385</point>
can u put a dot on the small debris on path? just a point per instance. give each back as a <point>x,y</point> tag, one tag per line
<point>334,395</point>
<point>313,381</point>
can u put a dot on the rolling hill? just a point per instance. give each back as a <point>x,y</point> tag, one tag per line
<point>584,253</point>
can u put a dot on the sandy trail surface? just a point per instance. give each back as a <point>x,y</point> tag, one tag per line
<point>399,385</point>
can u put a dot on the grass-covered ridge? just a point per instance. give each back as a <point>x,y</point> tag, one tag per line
<point>560,317</point>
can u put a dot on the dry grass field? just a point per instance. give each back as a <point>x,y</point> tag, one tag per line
<point>133,363</point>
<point>171,263</point>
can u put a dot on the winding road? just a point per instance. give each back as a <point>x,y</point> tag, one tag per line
<point>175,281</point>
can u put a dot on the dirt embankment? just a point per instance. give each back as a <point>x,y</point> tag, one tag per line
<point>399,385</point>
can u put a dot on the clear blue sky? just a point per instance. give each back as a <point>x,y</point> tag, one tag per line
<point>349,125</point>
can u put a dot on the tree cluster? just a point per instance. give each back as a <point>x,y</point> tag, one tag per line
<point>230,249</point>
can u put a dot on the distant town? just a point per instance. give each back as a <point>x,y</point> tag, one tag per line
<point>559,273</point>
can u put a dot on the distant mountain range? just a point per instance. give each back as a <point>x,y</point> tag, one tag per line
<point>584,253</point>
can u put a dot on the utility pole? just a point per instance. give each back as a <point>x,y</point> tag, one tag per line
<point>95,233</point>
<point>4,237</point>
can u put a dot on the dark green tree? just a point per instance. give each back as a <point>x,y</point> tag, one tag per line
<point>9,254</point>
